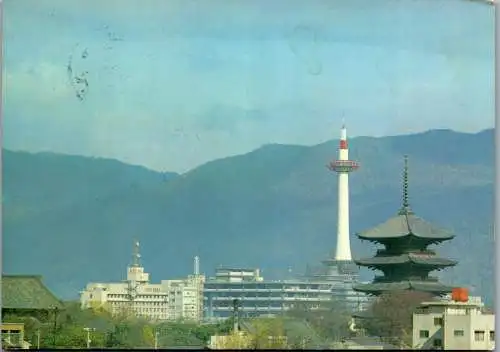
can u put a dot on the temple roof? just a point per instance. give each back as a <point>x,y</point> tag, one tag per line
<point>422,259</point>
<point>403,225</point>
<point>27,292</point>
<point>423,286</point>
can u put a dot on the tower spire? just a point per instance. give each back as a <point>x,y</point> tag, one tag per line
<point>136,257</point>
<point>405,208</point>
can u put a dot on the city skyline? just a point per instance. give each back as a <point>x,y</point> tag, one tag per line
<point>239,76</point>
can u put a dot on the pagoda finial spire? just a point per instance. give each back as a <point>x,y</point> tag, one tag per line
<point>405,209</point>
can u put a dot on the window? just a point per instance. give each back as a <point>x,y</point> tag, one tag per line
<point>492,335</point>
<point>424,334</point>
<point>458,333</point>
<point>479,335</point>
<point>438,321</point>
<point>437,343</point>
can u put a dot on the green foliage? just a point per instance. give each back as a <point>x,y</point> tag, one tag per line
<point>268,333</point>
<point>112,332</point>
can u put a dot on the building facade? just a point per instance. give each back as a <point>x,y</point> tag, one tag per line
<point>137,296</point>
<point>257,297</point>
<point>451,325</point>
<point>405,261</point>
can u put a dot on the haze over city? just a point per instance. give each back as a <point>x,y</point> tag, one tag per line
<point>172,86</point>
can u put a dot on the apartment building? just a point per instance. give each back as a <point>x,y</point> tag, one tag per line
<point>456,325</point>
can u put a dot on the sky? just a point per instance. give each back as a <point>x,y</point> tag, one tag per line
<point>174,84</point>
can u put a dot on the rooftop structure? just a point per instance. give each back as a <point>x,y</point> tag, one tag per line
<point>453,324</point>
<point>405,261</point>
<point>137,296</point>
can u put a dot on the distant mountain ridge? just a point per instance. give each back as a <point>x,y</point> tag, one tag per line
<point>74,218</point>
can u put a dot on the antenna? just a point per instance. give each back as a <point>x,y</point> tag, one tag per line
<point>136,257</point>
<point>197,265</point>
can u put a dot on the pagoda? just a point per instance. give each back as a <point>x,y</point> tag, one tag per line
<point>405,261</point>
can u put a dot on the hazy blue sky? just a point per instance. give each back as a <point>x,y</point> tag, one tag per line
<point>173,84</point>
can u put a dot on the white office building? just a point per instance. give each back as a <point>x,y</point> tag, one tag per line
<point>167,300</point>
<point>452,325</point>
<point>257,297</point>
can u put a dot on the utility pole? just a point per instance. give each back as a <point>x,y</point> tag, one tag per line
<point>236,305</point>
<point>156,339</point>
<point>38,339</point>
<point>88,330</point>
<point>55,311</point>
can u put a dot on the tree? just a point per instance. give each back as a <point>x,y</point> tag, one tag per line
<point>391,315</point>
<point>330,320</point>
<point>182,333</point>
<point>235,341</point>
<point>268,333</point>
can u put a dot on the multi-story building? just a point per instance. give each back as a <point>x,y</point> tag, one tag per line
<point>167,300</point>
<point>452,325</point>
<point>256,296</point>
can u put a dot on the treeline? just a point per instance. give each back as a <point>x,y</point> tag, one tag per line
<point>389,317</point>
<point>72,327</point>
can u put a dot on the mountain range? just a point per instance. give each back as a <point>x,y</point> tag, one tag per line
<point>73,219</point>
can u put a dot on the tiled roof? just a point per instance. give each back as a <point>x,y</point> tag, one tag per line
<point>27,292</point>
<point>404,225</point>
<point>406,258</point>
<point>433,287</point>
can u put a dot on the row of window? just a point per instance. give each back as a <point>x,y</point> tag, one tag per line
<point>479,335</point>
<point>148,303</point>
<point>123,295</point>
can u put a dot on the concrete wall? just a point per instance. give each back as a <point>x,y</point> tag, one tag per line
<point>458,331</point>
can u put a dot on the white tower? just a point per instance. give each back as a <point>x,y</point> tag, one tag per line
<point>343,166</point>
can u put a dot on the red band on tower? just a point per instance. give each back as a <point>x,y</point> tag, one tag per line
<point>343,144</point>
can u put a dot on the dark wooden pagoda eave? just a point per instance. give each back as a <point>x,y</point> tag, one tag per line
<point>392,238</point>
<point>370,264</point>
<point>376,289</point>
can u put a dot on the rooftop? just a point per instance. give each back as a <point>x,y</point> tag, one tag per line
<point>27,292</point>
<point>403,225</point>
<point>447,302</point>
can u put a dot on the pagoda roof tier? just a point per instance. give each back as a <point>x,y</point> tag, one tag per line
<point>406,258</point>
<point>404,225</point>
<point>423,286</point>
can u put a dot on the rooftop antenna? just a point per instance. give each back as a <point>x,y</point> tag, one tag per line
<point>196,265</point>
<point>136,257</point>
<point>405,209</point>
